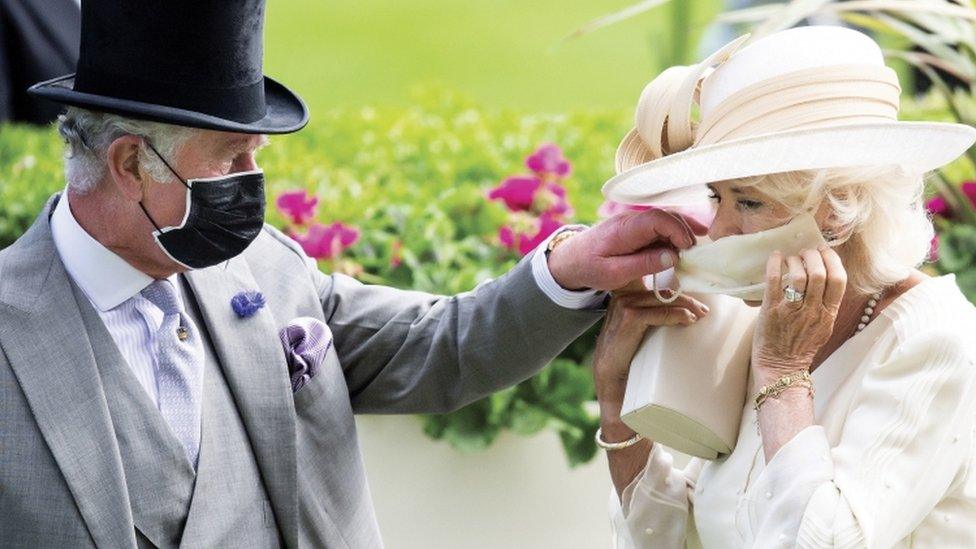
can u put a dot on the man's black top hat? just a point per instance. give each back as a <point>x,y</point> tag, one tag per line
<point>187,62</point>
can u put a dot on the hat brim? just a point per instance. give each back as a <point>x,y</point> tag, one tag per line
<point>286,112</point>
<point>921,146</point>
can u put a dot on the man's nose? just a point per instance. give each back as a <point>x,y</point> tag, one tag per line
<point>245,163</point>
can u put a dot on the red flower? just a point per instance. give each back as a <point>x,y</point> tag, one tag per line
<point>526,232</point>
<point>326,241</point>
<point>548,162</point>
<point>297,205</point>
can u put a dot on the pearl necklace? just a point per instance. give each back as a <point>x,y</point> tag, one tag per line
<point>868,311</point>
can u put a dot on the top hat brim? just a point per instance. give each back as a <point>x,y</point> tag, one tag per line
<point>672,179</point>
<point>286,112</point>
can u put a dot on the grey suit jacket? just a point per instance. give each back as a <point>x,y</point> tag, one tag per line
<point>61,479</point>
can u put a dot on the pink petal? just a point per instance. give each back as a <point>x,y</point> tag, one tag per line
<point>969,189</point>
<point>507,237</point>
<point>937,205</point>
<point>517,192</point>
<point>610,208</point>
<point>297,205</point>
<point>548,160</point>
<point>933,249</point>
<point>551,199</point>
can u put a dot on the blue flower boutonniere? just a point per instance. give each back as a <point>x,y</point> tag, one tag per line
<point>247,303</point>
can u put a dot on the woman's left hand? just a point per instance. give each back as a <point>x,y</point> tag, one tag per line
<point>788,334</point>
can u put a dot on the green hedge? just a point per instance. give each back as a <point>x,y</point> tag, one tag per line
<point>414,179</point>
<point>417,175</point>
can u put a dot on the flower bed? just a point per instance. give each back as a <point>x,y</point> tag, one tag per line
<point>438,197</point>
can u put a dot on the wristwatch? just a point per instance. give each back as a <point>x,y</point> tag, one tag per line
<point>560,237</point>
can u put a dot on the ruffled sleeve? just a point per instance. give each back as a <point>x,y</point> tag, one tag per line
<point>654,509</point>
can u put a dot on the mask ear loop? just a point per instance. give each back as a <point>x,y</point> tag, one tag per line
<point>657,292</point>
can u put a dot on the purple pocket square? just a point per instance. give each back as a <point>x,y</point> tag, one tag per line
<point>306,341</point>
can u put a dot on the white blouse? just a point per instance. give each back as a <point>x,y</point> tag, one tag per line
<point>889,461</point>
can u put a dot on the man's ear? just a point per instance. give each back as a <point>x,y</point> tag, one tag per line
<point>122,159</point>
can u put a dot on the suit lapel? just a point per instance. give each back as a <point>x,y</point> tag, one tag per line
<point>44,338</point>
<point>254,366</point>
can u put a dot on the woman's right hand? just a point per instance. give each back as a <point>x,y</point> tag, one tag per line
<point>632,310</point>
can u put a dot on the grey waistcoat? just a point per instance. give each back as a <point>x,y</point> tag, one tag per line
<point>223,504</point>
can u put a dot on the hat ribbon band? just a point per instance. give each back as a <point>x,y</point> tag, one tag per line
<point>821,96</point>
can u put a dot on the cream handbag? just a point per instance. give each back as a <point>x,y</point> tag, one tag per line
<point>687,384</point>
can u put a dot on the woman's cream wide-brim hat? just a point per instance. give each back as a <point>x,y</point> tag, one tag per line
<point>799,99</point>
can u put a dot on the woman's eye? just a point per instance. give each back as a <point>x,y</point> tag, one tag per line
<point>712,195</point>
<point>749,204</point>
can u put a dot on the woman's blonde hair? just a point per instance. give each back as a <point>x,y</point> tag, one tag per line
<point>876,215</point>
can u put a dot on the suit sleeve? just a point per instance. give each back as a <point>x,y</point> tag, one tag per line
<point>406,351</point>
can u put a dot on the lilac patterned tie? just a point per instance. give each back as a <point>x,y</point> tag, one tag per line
<point>179,355</point>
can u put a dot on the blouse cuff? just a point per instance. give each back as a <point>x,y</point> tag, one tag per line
<point>659,480</point>
<point>789,480</point>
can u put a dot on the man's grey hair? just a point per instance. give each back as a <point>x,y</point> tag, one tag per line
<point>88,134</point>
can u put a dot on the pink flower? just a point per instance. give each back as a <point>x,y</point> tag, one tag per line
<point>548,162</point>
<point>525,193</point>
<point>610,208</point>
<point>297,205</point>
<point>703,213</point>
<point>326,241</point>
<point>933,249</point>
<point>396,254</point>
<point>938,206</point>
<point>526,232</point>
<point>517,191</point>
<point>969,189</point>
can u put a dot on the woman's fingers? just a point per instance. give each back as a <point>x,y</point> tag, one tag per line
<point>666,316</point>
<point>836,278</point>
<point>774,279</point>
<point>648,299</point>
<point>816,276</point>
<point>797,273</point>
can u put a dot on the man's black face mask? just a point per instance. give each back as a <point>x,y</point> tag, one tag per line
<point>223,216</point>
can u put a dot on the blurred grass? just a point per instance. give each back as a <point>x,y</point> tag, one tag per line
<point>501,53</point>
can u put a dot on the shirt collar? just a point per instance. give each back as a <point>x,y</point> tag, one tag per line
<point>107,279</point>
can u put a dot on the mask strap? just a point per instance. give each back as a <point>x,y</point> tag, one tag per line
<point>149,216</point>
<point>657,292</point>
<point>149,144</point>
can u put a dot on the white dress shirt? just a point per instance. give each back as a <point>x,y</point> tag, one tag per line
<point>889,462</point>
<point>113,286</point>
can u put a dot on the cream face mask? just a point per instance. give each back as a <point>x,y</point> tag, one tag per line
<point>736,265</point>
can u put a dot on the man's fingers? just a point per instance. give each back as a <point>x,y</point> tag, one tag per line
<point>644,262</point>
<point>650,227</point>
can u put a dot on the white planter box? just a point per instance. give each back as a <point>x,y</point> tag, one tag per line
<point>519,493</point>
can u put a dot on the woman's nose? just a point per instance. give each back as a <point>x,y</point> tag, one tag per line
<point>721,228</point>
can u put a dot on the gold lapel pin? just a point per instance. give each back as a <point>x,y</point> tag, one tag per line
<point>182,333</point>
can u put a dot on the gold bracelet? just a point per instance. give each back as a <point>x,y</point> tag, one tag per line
<point>781,384</point>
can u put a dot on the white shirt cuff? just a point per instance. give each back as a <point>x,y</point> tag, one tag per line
<point>570,299</point>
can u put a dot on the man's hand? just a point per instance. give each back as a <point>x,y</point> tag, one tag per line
<point>621,249</point>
